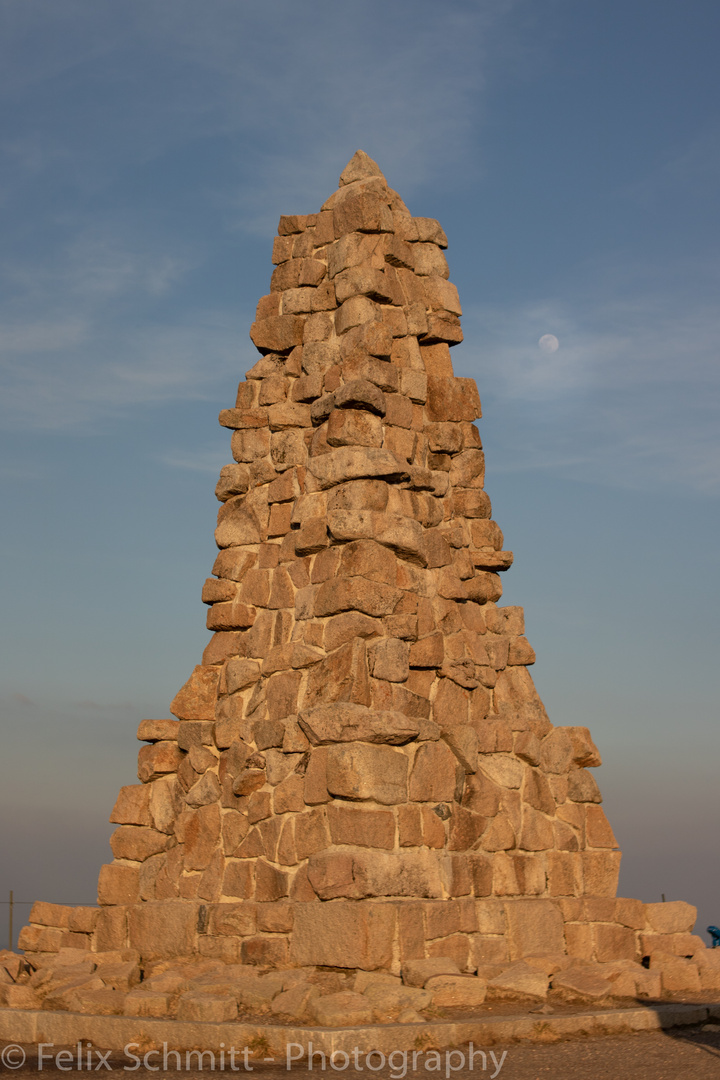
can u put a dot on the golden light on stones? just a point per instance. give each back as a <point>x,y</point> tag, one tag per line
<point>360,776</point>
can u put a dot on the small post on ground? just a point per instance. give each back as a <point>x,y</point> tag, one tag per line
<point>10,922</point>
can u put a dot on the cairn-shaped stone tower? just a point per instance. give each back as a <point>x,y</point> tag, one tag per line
<point>362,756</point>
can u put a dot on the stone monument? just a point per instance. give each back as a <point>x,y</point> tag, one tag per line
<point>360,773</point>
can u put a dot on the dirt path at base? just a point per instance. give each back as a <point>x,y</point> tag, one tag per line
<point>678,1054</point>
<point>682,1054</point>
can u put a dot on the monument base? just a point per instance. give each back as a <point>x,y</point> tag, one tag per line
<point>370,934</point>
<point>353,961</point>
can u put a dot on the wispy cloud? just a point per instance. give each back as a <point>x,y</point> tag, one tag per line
<point>103,266</point>
<point>103,310</point>
<point>83,388</point>
<point>43,336</point>
<point>96,262</point>
<point>405,82</point>
<point>95,706</point>
<point>631,396</point>
<point>94,327</point>
<point>32,153</point>
<point>691,167</point>
<point>208,460</point>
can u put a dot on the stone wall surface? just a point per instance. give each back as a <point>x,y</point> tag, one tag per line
<point>360,773</point>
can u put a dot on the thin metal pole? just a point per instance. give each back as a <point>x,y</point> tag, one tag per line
<point>10,922</point>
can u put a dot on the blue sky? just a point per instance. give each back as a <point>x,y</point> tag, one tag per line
<point>572,153</point>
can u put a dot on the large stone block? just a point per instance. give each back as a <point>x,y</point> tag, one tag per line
<point>366,211</point>
<point>210,1008</point>
<point>137,843</point>
<point>361,771</point>
<point>466,828</point>
<point>564,873</point>
<point>158,759</point>
<point>247,447</point>
<point>344,934</point>
<point>155,730</point>
<point>452,399</point>
<point>44,914</point>
<point>673,917</point>
<point>521,982</point>
<point>598,831</point>
<point>583,788</point>
<point>237,524</point>
<point>349,463</point>
<point>353,427</point>
<point>397,531</point>
<point>342,676</point>
<point>239,878</point>
<point>196,699</point>
<point>233,920</point>
<point>118,884</point>
<point>434,774</point>
<point>163,930</point>
<point>614,942</point>
<point>331,875</point>
<point>428,652</point>
<point>360,827</point>
<point>517,700</point>
<point>282,695</point>
<point>537,832</point>
<point>581,986</point>
<point>199,832</point>
<point>83,920</point>
<point>456,991</point>
<point>311,833</point>
<point>442,326</point>
<point>678,973</point>
<point>390,660</point>
<point>356,594</point>
<point>505,770</point>
<point>451,703</point>
<point>360,394</point>
<point>677,944</point>
<point>111,928</point>
<point>366,558</point>
<point>278,333</point>
<point>345,721</point>
<point>535,928</point>
<point>270,883</point>
<point>405,873</point>
<point>518,875</point>
<point>600,872</point>
<point>629,912</point>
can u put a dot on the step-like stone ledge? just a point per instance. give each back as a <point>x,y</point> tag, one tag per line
<point>31,1027</point>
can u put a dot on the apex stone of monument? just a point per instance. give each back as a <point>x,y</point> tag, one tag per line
<point>360,167</point>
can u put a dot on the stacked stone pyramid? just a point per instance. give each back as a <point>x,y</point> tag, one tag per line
<point>361,771</point>
<point>364,724</point>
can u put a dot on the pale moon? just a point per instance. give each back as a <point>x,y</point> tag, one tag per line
<point>548,343</point>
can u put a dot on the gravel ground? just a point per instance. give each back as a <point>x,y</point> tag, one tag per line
<point>678,1054</point>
